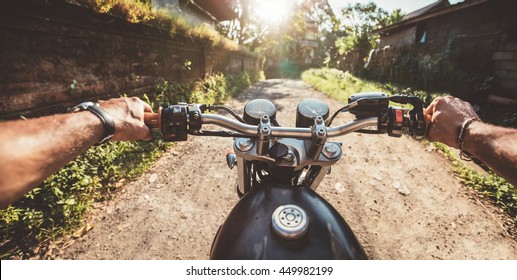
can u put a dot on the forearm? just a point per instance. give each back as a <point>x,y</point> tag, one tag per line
<point>495,146</point>
<point>34,149</point>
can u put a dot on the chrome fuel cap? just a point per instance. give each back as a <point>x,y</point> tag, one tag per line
<point>290,221</point>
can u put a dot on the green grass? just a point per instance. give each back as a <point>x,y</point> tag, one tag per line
<point>57,207</point>
<point>492,186</point>
<point>339,85</point>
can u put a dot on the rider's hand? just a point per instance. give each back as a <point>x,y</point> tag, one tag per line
<point>445,116</point>
<point>128,115</point>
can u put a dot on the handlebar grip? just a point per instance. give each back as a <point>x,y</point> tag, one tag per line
<point>428,118</point>
<point>152,120</point>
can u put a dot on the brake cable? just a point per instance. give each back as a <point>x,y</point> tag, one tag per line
<point>227,109</point>
<point>343,109</point>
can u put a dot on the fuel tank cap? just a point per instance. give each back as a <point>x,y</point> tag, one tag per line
<point>290,221</point>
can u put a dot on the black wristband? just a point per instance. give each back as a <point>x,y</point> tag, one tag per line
<point>107,120</point>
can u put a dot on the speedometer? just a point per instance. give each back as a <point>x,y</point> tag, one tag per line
<point>257,108</point>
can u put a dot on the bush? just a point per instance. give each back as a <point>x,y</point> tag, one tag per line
<point>57,207</point>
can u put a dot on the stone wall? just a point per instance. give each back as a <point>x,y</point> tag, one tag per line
<point>54,54</point>
<point>462,67</point>
<point>352,62</point>
<point>403,38</point>
<point>465,53</point>
<point>506,68</point>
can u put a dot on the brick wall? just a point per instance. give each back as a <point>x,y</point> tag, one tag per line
<point>53,55</point>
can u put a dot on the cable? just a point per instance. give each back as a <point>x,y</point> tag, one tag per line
<point>344,109</point>
<point>222,134</point>
<point>227,109</point>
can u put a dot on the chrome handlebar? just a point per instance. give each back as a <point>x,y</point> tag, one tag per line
<point>177,121</point>
<point>287,132</point>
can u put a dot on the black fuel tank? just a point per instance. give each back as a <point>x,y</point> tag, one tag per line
<point>247,233</point>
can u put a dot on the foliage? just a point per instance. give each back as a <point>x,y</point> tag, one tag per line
<point>336,83</point>
<point>387,19</point>
<point>57,207</point>
<point>236,83</point>
<point>133,11</point>
<point>141,11</point>
<point>426,96</point>
<point>168,93</point>
<point>359,21</point>
<point>281,42</point>
<point>214,89</point>
<point>246,29</point>
<point>340,85</point>
<point>451,71</point>
<point>490,185</point>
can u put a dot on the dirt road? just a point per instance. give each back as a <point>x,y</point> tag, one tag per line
<point>398,195</point>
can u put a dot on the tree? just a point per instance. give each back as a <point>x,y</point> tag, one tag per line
<point>281,41</point>
<point>395,16</point>
<point>246,29</point>
<point>329,29</point>
<point>303,17</point>
<point>359,21</point>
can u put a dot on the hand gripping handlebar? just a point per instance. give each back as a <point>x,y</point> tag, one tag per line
<point>177,121</point>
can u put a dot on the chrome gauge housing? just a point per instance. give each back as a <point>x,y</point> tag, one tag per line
<point>308,110</point>
<point>256,109</point>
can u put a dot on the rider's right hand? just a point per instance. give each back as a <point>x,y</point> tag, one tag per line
<point>445,116</point>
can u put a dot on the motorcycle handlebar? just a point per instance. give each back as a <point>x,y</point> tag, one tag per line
<point>176,121</point>
<point>153,120</point>
<point>287,132</point>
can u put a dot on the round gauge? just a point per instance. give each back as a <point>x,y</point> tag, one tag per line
<point>308,110</point>
<point>257,108</point>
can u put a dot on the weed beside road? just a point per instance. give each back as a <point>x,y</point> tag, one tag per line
<point>340,85</point>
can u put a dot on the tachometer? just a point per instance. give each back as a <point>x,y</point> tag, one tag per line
<point>308,110</point>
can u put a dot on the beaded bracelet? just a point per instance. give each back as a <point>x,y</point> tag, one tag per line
<point>461,135</point>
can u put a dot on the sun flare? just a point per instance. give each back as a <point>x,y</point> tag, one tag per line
<point>272,11</point>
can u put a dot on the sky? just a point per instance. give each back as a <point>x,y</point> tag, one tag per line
<point>406,6</point>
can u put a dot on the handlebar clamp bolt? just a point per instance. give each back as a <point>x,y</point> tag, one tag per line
<point>244,144</point>
<point>331,150</point>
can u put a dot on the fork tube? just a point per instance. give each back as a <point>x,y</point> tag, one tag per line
<point>243,176</point>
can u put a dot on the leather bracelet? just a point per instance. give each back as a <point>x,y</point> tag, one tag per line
<point>461,137</point>
<point>107,120</point>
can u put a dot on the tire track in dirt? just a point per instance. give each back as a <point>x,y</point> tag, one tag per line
<point>174,210</point>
